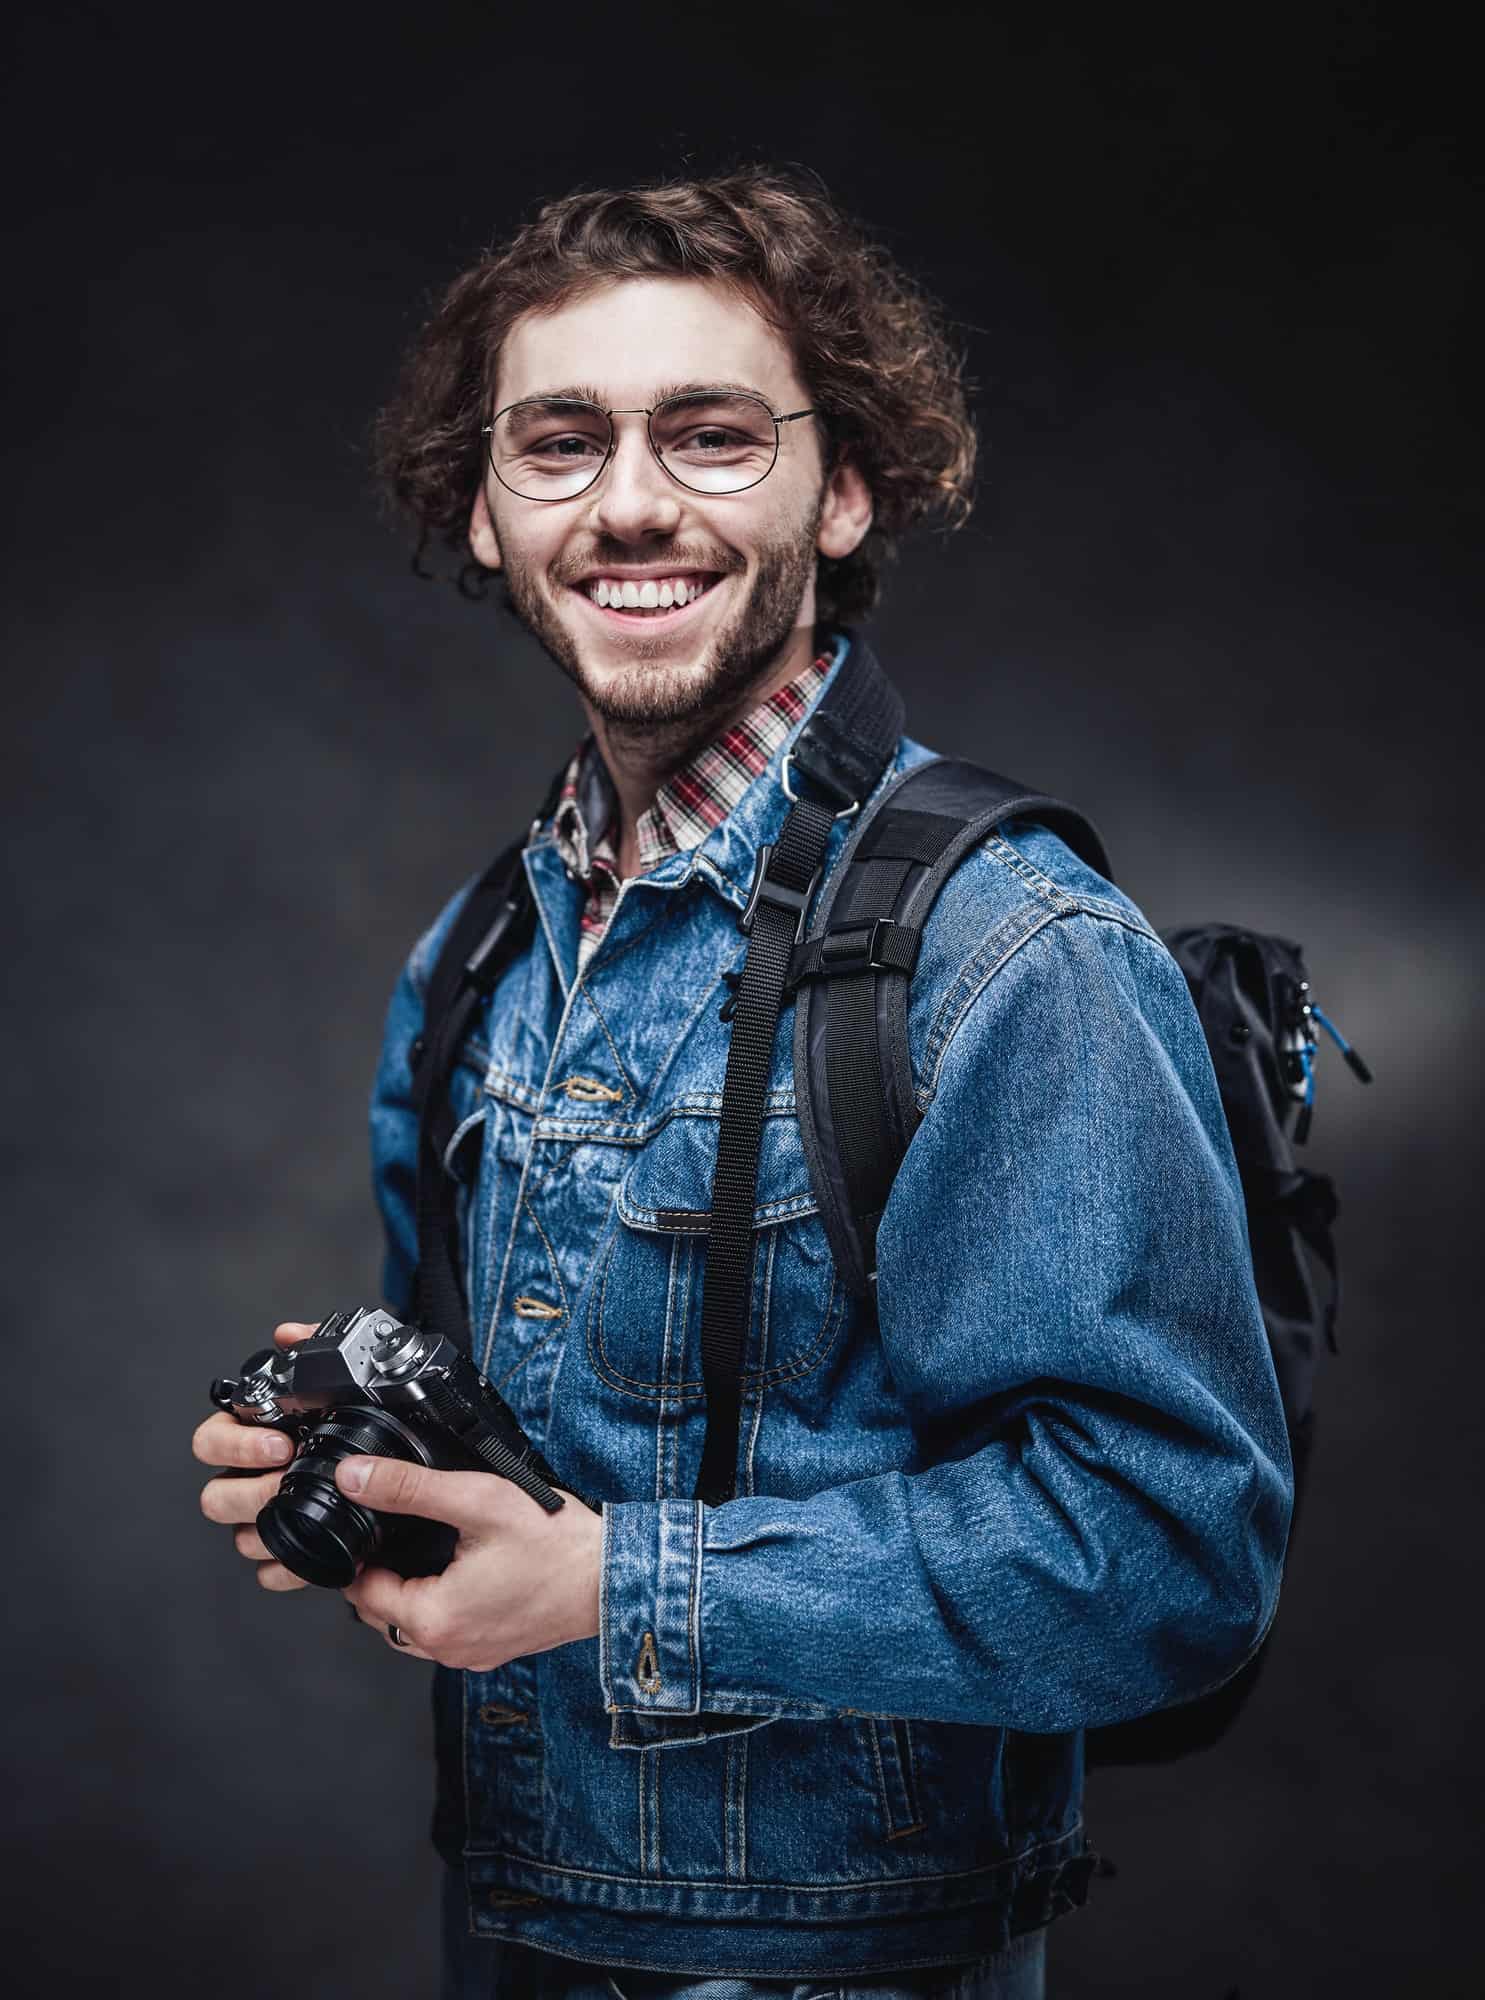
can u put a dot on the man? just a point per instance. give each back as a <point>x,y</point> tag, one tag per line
<point>832,1728</point>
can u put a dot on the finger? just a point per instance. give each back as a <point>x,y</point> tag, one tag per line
<point>290,1331</point>
<point>273,1576</point>
<point>381,1597</point>
<point>405,1646</point>
<point>401,1644</point>
<point>248,1542</point>
<point>468,1501</point>
<point>222,1440</point>
<point>234,1498</point>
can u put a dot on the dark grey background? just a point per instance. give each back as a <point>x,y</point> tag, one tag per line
<point>1220,590</point>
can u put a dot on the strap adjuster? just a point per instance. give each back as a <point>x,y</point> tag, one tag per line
<point>779,894</point>
<point>877,944</point>
<point>852,948</point>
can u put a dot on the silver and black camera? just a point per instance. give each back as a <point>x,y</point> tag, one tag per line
<point>366,1382</point>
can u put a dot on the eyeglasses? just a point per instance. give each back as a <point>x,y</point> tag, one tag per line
<point>708,440</point>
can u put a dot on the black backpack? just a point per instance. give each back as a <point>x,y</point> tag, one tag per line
<point>848,976</point>
<point>857,1111</point>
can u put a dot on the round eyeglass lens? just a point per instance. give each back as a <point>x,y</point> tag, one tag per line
<point>717,441</point>
<point>551,449</point>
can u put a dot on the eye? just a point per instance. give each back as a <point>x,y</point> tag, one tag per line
<point>711,437</point>
<point>713,426</point>
<point>563,447</point>
<point>550,434</point>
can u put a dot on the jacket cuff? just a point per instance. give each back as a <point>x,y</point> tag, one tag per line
<point>649,1607</point>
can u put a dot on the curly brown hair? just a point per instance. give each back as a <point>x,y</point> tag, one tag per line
<point>871,348</point>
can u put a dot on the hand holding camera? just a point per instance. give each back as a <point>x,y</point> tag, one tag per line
<point>252,1463</point>
<point>384,1426</point>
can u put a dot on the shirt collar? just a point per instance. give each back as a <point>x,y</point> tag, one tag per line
<point>694,800</point>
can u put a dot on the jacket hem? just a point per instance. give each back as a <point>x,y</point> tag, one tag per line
<point>785,1930</point>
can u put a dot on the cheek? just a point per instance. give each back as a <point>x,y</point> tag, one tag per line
<point>530,557</point>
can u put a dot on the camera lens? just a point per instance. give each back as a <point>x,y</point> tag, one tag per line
<point>309,1524</point>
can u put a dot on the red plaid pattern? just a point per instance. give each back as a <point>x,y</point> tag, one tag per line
<point>687,806</point>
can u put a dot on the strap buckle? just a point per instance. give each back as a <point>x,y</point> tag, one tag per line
<point>779,894</point>
<point>793,796</point>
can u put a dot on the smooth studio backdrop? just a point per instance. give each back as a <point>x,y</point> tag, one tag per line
<point>1220,590</point>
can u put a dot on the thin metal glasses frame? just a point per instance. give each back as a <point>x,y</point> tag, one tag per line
<point>487,431</point>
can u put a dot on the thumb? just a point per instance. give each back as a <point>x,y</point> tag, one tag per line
<point>464,1500</point>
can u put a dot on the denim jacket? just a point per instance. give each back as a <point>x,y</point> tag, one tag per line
<point>835,1725</point>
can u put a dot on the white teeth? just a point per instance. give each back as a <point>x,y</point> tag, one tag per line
<point>646,596</point>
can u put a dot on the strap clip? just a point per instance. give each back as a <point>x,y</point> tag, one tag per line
<point>765,890</point>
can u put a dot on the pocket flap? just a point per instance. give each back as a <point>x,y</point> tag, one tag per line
<point>632,1731</point>
<point>669,1186</point>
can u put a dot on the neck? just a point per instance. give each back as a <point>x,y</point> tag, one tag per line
<point>640,756</point>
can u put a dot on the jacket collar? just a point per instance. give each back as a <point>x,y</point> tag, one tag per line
<point>725,860</point>
<point>727,856</point>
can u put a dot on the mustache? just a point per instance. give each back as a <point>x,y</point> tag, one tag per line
<point>680,557</point>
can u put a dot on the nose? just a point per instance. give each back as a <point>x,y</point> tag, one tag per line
<point>634,495</point>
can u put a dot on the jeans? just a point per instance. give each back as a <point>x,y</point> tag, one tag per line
<point>492,1969</point>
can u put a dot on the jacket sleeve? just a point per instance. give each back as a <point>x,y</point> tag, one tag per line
<point>1094,1522</point>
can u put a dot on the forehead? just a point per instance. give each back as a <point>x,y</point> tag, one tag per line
<point>633,336</point>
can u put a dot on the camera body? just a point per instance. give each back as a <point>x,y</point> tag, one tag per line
<point>366,1382</point>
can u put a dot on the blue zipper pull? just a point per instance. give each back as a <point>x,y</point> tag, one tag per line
<point>1306,1054</point>
<point>1353,1060</point>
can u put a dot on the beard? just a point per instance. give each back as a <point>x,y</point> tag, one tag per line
<point>681,701</point>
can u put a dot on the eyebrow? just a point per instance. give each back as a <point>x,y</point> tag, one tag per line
<point>584,392</point>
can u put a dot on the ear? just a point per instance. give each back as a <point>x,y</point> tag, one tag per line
<point>483,541</point>
<point>846,510</point>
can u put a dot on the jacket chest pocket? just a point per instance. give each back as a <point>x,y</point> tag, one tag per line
<point>644,1304</point>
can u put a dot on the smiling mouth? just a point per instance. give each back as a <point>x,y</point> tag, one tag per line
<point>655,600</point>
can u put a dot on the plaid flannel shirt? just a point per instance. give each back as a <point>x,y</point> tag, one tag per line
<point>687,806</point>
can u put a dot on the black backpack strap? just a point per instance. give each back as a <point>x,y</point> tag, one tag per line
<point>853,1075</point>
<point>836,760</point>
<point>494,923</point>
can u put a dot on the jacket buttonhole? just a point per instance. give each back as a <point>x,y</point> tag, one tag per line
<point>647,1667</point>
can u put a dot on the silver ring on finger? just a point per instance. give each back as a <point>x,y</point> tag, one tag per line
<point>394,1633</point>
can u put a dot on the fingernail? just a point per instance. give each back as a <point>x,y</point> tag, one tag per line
<point>276,1447</point>
<point>352,1474</point>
